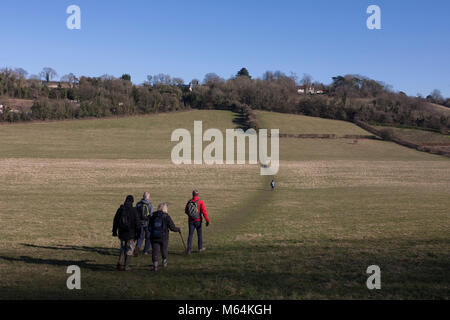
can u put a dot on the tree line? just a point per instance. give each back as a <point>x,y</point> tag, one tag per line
<point>348,97</point>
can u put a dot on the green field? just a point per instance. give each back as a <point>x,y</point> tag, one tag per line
<point>299,124</point>
<point>339,207</point>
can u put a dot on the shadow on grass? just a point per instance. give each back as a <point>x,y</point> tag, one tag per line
<point>99,250</point>
<point>287,269</point>
<point>84,264</point>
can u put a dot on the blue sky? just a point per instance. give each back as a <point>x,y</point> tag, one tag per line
<point>191,38</point>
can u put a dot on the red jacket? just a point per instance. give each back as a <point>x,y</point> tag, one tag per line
<point>201,209</point>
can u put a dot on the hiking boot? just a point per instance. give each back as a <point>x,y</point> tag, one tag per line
<point>119,267</point>
<point>136,252</point>
<point>155,266</point>
<point>165,263</point>
<point>145,253</point>
<point>202,250</point>
<point>188,253</point>
<point>127,268</point>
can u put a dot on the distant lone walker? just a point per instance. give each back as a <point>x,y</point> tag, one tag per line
<point>272,185</point>
<point>196,210</point>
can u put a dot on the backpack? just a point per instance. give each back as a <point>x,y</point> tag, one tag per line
<point>157,226</point>
<point>192,209</point>
<point>124,220</point>
<point>144,211</point>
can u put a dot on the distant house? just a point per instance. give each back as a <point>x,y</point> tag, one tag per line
<point>56,84</point>
<point>16,105</point>
<point>11,109</point>
<point>310,90</point>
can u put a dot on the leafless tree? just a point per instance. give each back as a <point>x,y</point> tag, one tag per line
<point>211,78</point>
<point>178,81</point>
<point>162,79</point>
<point>22,73</point>
<point>437,96</point>
<point>306,81</point>
<point>69,78</point>
<point>48,74</point>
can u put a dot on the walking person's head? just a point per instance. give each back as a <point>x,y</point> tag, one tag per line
<point>146,195</point>
<point>164,207</point>
<point>129,200</point>
<point>195,193</point>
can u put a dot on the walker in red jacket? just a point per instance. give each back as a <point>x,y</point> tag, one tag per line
<point>195,220</point>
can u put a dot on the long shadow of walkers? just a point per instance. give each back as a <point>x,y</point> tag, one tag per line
<point>98,250</point>
<point>54,262</point>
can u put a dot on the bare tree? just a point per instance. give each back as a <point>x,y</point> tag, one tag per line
<point>306,81</point>
<point>70,79</point>
<point>21,72</point>
<point>48,74</point>
<point>178,81</point>
<point>34,77</point>
<point>107,77</point>
<point>149,80</point>
<point>162,79</point>
<point>437,96</point>
<point>212,78</point>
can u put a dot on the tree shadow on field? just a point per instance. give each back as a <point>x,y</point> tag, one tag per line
<point>240,121</point>
<point>85,264</point>
<point>99,250</point>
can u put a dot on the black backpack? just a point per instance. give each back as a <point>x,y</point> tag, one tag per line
<point>144,211</point>
<point>124,220</point>
<point>192,209</point>
<point>157,226</point>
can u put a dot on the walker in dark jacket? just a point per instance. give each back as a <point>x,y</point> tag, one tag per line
<point>159,225</point>
<point>127,234</point>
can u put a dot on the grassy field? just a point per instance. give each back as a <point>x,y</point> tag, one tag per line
<point>338,208</point>
<point>299,124</point>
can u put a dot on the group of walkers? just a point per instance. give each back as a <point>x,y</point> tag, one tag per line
<point>135,225</point>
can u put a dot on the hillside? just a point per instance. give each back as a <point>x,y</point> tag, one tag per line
<point>299,124</point>
<point>294,149</point>
<point>339,207</point>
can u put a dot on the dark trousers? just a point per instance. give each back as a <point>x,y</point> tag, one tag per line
<point>195,225</point>
<point>145,234</point>
<point>160,247</point>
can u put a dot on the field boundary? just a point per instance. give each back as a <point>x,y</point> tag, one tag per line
<point>430,148</point>
<point>327,136</point>
<point>110,117</point>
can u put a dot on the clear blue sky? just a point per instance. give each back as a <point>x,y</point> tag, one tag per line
<point>191,38</point>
